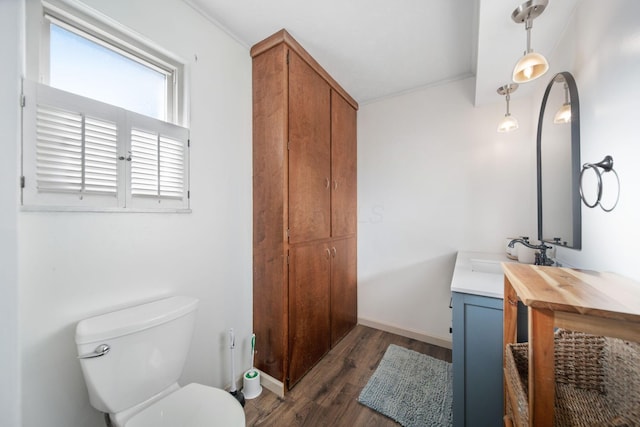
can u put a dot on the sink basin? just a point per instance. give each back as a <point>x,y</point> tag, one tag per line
<point>486,266</point>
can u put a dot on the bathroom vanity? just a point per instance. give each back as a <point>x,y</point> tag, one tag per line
<point>477,291</point>
<point>478,283</point>
<point>593,302</point>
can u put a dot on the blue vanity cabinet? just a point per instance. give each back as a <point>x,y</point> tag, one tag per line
<point>477,360</point>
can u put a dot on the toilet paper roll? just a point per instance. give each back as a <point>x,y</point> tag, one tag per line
<point>526,255</point>
<point>251,384</point>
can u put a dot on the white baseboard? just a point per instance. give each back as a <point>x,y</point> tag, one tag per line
<point>441,342</point>
<point>271,384</point>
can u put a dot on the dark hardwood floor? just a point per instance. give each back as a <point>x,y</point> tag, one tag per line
<point>328,394</point>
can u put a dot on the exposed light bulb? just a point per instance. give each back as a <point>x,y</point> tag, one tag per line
<point>508,124</point>
<point>563,115</point>
<point>530,67</point>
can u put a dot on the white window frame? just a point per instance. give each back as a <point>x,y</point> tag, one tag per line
<point>99,29</point>
<point>170,71</point>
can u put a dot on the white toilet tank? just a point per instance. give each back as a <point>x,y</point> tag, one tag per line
<point>148,345</point>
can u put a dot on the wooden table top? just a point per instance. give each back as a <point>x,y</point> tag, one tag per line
<point>585,292</point>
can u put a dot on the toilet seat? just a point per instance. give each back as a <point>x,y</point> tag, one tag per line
<point>194,405</point>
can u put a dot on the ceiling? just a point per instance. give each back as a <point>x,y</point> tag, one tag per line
<point>380,48</point>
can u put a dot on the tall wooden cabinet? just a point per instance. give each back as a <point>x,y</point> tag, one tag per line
<point>304,209</point>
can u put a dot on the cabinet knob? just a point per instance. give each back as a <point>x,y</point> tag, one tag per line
<point>335,184</point>
<point>328,252</point>
<point>327,183</point>
<point>333,249</point>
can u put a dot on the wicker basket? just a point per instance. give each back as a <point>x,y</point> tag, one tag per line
<point>597,381</point>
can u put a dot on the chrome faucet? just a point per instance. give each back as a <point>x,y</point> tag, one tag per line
<point>541,257</point>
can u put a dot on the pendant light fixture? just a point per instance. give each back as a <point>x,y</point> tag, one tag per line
<point>508,123</point>
<point>563,115</point>
<point>532,65</point>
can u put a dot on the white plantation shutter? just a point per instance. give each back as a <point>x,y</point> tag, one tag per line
<point>59,149</point>
<point>70,148</point>
<point>144,163</point>
<point>78,152</point>
<point>100,156</point>
<point>158,163</point>
<point>172,155</point>
<point>75,153</point>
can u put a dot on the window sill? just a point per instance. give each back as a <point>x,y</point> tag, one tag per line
<point>26,208</point>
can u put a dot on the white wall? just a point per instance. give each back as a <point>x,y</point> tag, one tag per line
<point>74,265</point>
<point>601,48</point>
<point>435,177</point>
<point>10,52</point>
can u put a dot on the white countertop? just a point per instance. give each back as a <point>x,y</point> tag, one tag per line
<point>479,273</point>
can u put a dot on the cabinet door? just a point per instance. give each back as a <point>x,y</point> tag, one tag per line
<point>309,323</point>
<point>344,294</point>
<point>343,167</point>
<point>477,361</point>
<point>309,153</point>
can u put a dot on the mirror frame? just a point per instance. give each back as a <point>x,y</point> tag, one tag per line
<point>575,159</point>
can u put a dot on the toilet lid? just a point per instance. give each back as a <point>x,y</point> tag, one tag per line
<point>194,405</point>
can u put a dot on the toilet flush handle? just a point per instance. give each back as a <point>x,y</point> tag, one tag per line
<point>100,350</point>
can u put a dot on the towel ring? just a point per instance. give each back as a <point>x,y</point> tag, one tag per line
<point>617,194</point>
<point>585,167</point>
<point>607,166</point>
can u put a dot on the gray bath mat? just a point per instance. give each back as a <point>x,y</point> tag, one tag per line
<point>411,388</point>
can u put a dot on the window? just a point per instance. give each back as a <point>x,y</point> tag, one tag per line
<point>85,67</point>
<point>98,132</point>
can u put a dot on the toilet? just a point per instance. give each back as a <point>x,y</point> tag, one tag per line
<point>131,360</point>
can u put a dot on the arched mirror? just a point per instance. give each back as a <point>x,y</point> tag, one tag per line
<point>558,157</point>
